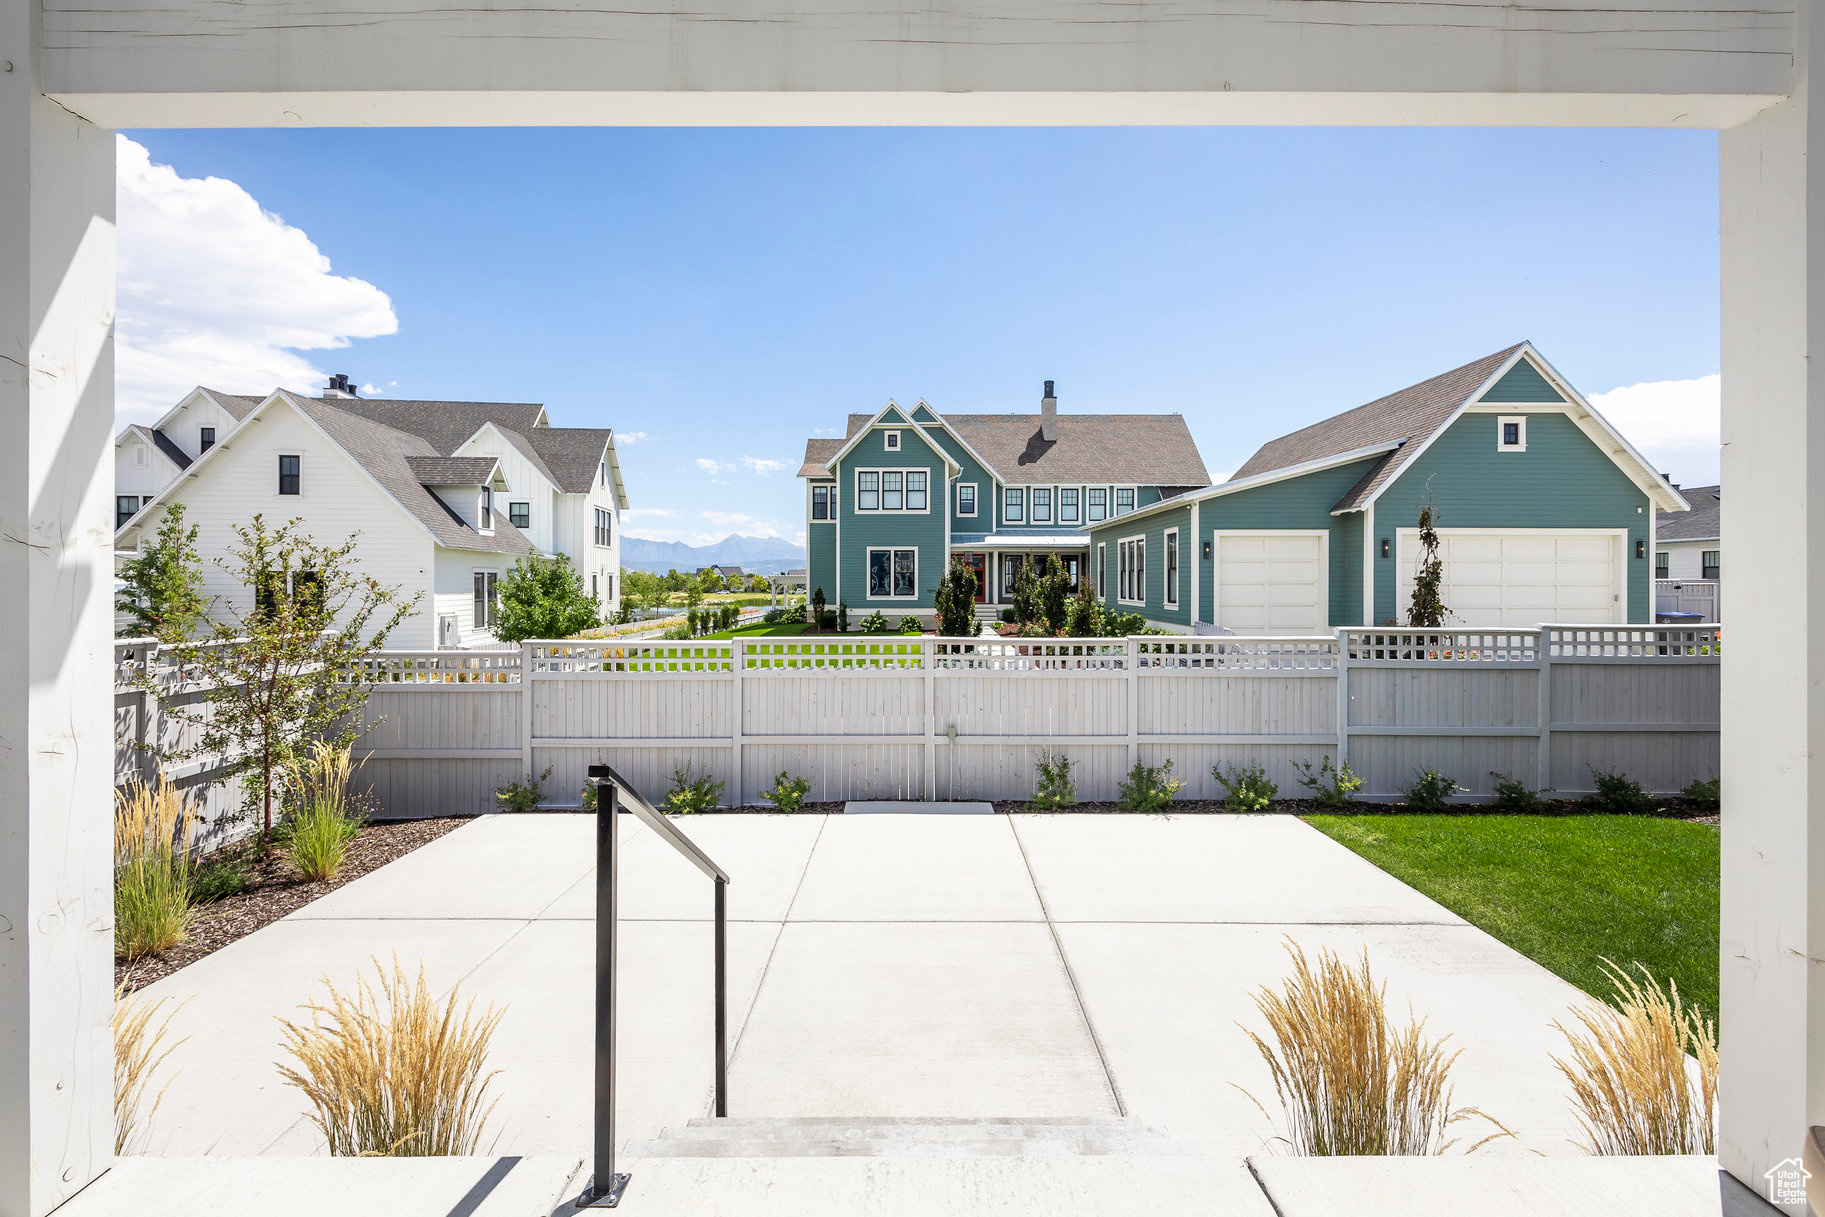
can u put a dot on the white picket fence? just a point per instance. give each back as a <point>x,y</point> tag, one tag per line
<point>940,718</point>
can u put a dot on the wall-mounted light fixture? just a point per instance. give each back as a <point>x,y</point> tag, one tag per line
<point>1641,548</point>
<point>1384,547</point>
<point>1207,551</point>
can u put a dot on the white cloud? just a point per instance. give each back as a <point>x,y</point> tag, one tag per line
<point>765,465</point>
<point>1674,423</point>
<point>624,438</point>
<point>215,290</point>
<point>641,513</point>
<point>730,518</point>
<point>709,466</point>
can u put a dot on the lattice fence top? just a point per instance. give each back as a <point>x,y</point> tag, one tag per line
<point>1029,654</point>
<point>1699,643</point>
<point>1444,647</point>
<point>437,668</point>
<point>638,656</point>
<point>1238,654</point>
<point>876,652</point>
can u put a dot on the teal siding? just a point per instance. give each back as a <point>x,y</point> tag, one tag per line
<point>820,553</point>
<point>973,471</point>
<point>1346,569</point>
<point>1154,528</point>
<point>861,530</point>
<point>1522,383</point>
<point>1563,480</point>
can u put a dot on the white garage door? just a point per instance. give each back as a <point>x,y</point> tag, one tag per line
<point>1273,582</point>
<point>1521,578</point>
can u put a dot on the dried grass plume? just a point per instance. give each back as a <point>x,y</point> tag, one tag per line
<point>140,1048</point>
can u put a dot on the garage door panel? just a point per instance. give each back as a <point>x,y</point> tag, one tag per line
<point>1271,584</point>
<point>1522,578</point>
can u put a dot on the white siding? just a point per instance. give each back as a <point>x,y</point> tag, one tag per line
<point>527,484</point>
<point>184,427</point>
<point>140,468</point>
<point>338,498</point>
<point>455,592</point>
<point>561,523</point>
<point>1685,559</point>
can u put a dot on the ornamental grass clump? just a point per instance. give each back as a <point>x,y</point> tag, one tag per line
<point>1643,1071</point>
<point>392,1072</point>
<point>325,815</point>
<point>1349,1080</point>
<point>140,1048</point>
<point>153,869</point>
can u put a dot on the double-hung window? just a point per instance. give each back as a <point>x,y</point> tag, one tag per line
<point>966,498</point>
<point>1013,504</point>
<point>917,498</point>
<point>893,574</point>
<point>1131,571</point>
<point>1068,504</point>
<point>893,493</point>
<point>205,440</point>
<point>1124,500</point>
<point>868,490</point>
<point>487,600</point>
<point>125,507</point>
<point>1172,567</point>
<point>1711,560</point>
<point>487,509</point>
<point>288,475</point>
<point>1661,565</point>
<point>1042,504</point>
<point>605,523</point>
<point>1099,503</point>
<point>823,502</point>
<point>520,514</point>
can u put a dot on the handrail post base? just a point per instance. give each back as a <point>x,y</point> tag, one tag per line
<point>594,1199</point>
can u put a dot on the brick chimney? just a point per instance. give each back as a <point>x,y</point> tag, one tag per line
<point>1048,415</point>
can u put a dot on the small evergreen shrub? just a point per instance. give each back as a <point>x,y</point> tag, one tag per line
<point>1617,794</point>
<point>910,625</point>
<point>692,623</point>
<point>1007,616</point>
<point>842,616</point>
<point>787,792</point>
<point>1706,792</point>
<point>1121,625</point>
<point>691,792</point>
<point>1249,789</point>
<point>773,616</point>
<point>1431,790</point>
<point>523,796</point>
<point>874,623</point>
<point>678,633</point>
<point>1513,796</point>
<point>731,613</point>
<point>1330,786</point>
<point>817,607</point>
<point>1149,788</point>
<point>1054,789</point>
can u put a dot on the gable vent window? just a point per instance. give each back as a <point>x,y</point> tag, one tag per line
<point>206,440</point>
<point>892,440</point>
<point>139,454</point>
<point>288,475</point>
<point>487,509</point>
<point>1511,434</point>
<point>520,514</point>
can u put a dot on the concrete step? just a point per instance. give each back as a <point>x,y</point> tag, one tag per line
<point>821,1137</point>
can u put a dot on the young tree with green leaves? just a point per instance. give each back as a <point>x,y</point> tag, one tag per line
<point>1427,607</point>
<point>278,667</point>
<point>544,598</point>
<point>163,587</point>
<point>1054,593</point>
<point>955,601</point>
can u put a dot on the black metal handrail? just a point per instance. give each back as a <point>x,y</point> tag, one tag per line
<point>605,1186</point>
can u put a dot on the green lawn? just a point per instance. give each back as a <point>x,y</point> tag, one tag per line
<point>758,630</point>
<point>1564,890</point>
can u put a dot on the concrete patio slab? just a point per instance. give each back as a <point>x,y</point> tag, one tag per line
<point>1165,1001</point>
<point>1491,1186</point>
<point>1267,869</point>
<point>912,807</point>
<point>314,1187</point>
<point>917,868</point>
<point>917,1019</point>
<point>765,856</point>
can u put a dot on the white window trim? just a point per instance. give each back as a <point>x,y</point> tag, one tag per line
<point>1022,492</point>
<point>1102,570</point>
<point>975,499</point>
<point>811,490</point>
<point>484,502</point>
<point>1324,566</point>
<point>1108,504</point>
<point>1051,505</point>
<point>1501,426</point>
<point>868,595</point>
<point>881,492</point>
<point>275,475</point>
<point>1115,514</point>
<point>493,602</point>
<point>890,441</point>
<point>1170,593</point>
<point>1120,544</point>
<point>1058,504</point>
<point>527,504</point>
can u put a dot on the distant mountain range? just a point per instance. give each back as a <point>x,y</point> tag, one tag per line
<point>756,555</point>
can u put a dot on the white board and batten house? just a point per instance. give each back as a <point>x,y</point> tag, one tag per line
<point>445,496</point>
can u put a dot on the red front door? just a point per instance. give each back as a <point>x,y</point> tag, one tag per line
<point>979,566</point>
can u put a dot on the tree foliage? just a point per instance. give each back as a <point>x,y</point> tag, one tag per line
<point>163,588</point>
<point>1427,608</point>
<point>544,598</point>
<point>276,668</point>
<point>955,601</point>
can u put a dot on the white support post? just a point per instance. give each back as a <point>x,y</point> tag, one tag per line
<point>1772,981</point>
<point>525,711</point>
<point>1343,697</point>
<point>1134,702</point>
<point>1543,753</point>
<point>56,670</point>
<point>738,660</point>
<point>931,723</point>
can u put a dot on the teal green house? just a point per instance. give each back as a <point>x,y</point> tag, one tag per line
<point>1545,514</point>
<point>906,490</point>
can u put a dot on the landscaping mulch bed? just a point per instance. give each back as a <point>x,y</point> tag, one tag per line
<point>1670,809</point>
<point>275,889</point>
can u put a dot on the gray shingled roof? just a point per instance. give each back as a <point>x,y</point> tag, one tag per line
<point>387,455</point>
<point>238,405</point>
<point>1702,523</point>
<point>445,425</point>
<point>1143,449</point>
<point>572,454</point>
<point>452,470</point>
<point>1411,414</point>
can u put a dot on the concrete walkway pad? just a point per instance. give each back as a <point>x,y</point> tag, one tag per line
<point>1491,1186</point>
<point>908,807</point>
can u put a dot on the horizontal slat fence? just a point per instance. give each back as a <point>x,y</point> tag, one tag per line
<point>889,717</point>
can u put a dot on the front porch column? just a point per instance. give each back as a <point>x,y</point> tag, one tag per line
<point>56,564</point>
<point>1773,947</point>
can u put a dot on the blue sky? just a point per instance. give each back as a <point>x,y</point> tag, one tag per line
<point>720,295</point>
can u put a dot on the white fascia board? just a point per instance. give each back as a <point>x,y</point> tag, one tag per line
<point>1419,449</point>
<point>1251,483</point>
<point>965,444</point>
<point>1644,475</point>
<point>614,472</point>
<point>874,422</point>
<point>185,400</point>
<point>532,458</point>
